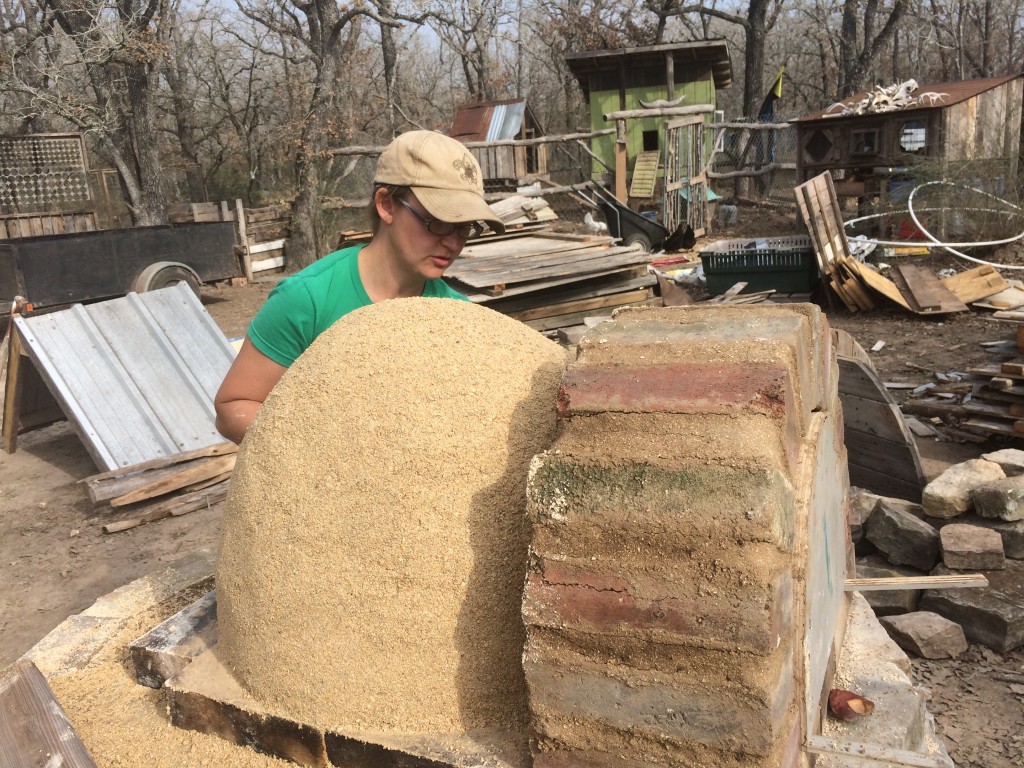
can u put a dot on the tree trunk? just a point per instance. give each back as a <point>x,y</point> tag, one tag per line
<point>151,207</point>
<point>304,242</point>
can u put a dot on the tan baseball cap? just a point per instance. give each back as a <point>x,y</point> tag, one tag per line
<point>443,174</point>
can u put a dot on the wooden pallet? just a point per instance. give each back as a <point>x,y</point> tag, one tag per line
<point>911,287</point>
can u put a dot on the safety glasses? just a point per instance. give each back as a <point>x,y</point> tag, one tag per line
<point>444,228</point>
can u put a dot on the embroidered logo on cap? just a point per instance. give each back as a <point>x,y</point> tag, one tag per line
<point>466,168</point>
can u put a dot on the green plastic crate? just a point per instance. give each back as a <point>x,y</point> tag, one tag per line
<point>785,264</point>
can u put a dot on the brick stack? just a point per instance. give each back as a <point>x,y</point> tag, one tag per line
<point>689,542</point>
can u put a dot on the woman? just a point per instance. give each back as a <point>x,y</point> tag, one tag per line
<point>427,201</point>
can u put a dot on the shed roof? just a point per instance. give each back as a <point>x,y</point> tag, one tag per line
<point>490,120</point>
<point>952,93</point>
<point>713,52</point>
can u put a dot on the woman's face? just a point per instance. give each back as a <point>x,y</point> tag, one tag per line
<point>416,247</point>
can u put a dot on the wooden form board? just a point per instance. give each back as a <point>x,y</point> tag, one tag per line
<point>34,730</point>
<point>882,455</point>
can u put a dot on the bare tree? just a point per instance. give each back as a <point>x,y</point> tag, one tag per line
<point>865,31</point>
<point>101,74</point>
<point>469,28</point>
<point>328,36</point>
<point>759,19</point>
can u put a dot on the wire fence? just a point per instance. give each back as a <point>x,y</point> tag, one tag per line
<point>753,161</point>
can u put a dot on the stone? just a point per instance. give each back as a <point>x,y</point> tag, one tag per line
<point>887,602</point>
<point>1010,459</point>
<point>926,634</point>
<point>971,548</point>
<point>1011,533</point>
<point>949,494</point>
<point>902,538</point>
<point>1001,500</point>
<point>992,616</point>
<point>862,505</point>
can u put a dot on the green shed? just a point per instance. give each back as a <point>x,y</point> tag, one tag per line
<point>633,78</point>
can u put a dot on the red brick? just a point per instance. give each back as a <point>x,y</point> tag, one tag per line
<point>750,618</point>
<point>687,387</point>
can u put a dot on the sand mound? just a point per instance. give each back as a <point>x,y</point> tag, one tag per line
<point>374,543</point>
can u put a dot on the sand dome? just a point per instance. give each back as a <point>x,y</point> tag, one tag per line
<point>375,540</point>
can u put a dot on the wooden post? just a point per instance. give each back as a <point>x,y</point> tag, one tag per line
<point>13,391</point>
<point>243,238</point>
<point>621,161</point>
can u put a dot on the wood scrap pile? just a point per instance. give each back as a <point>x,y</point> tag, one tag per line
<point>551,281</point>
<point>856,284</point>
<point>182,483</point>
<point>983,401</point>
<point>518,213</point>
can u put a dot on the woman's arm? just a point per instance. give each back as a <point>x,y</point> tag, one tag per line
<point>245,387</point>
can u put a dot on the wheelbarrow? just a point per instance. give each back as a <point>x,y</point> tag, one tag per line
<point>631,227</point>
<point>628,225</point>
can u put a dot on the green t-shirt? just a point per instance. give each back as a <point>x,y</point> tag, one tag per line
<point>306,304</point>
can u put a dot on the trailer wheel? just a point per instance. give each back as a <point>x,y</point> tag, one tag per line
<point>164,274</point>
<point>638,237</point>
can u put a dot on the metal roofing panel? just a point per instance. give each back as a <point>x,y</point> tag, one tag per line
<point>506,121</point>
<point>136,375</point>
<point>951,93</point>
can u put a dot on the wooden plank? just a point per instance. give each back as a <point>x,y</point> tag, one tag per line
<point>585,305</point>
<point>879,283</point>
<point>974,284</point>
<point>220,449</point>
<point>927,292</point>
<point>883,483</point>
<point>575,318</point>
<point>13,389</point>
<point>891,458</point>
<point>580,266</point>
<point>837,288</point>
<point>527,291</point>
<point>179,505</point>
<point>215,467</point>
<point>616,282</point>
<point>34,730</point>
<point>243,238</point>
<point>872,753</point>
<point>167,649</point>
<point>951,581</point>
<point>102,491</point>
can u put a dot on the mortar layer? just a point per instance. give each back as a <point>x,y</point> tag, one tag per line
<point>375,538</point>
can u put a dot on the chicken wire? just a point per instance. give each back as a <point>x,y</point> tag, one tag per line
<point>740,149</point>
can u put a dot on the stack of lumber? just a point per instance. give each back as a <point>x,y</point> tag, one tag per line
<point>551,281</point>
<point>518,213</point>
<point>183,483</point>
<point>983,401</point>
<point>915,289</point>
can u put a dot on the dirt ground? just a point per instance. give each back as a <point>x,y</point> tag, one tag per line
<point>55,560</point>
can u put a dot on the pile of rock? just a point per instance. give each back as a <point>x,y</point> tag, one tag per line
<point>971,518</point>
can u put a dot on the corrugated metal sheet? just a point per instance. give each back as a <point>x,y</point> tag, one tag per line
<point>506,121</point>
<point>489,120</point>
<point>136,375</point>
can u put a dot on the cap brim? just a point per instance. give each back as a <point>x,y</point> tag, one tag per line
<point>458,206</point>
